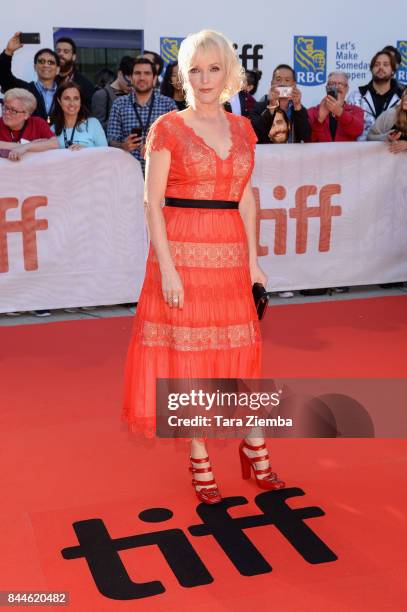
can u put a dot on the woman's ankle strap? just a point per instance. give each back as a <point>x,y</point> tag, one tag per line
<point>254,448</point>
<point>202,460</point>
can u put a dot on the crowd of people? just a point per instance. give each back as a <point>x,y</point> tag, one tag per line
<point>63,109</point>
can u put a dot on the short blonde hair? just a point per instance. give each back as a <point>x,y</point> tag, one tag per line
<point>201,42</point>
<point>25,96</point>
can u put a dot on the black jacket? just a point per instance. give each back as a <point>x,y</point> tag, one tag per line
<point>262,120</point>
<point>9,81</point>
<point>247,103</point>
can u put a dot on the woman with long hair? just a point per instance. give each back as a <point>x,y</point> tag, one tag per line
<point>391,126</point>
<point>171,86</point>
<point>71,120</point>
<point>196,317</point>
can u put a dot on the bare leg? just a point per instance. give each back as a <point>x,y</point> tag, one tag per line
<point>254,448</point>
<point>199,451</point>
<point>260,465</point>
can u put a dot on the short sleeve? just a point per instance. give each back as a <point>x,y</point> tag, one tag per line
<point>160,135</point>
<point>98,134</point>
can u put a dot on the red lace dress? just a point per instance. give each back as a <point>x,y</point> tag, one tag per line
<point>216,334</point>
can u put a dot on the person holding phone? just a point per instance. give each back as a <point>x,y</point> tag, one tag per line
<point>391,126</point>
<point>71,120</point>
<point>283,94</point>
<point>46,65</point>
<point>333,119</point>
<point>139,109</point>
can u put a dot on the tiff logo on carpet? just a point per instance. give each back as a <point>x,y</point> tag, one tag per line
<point>28,226</point>
<point>101,551</point>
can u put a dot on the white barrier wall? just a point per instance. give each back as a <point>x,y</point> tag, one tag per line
<point>316,37</point>
<point>332,214</point>
<point>72,229</point>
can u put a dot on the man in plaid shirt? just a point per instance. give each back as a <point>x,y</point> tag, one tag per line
<point>139,109</point>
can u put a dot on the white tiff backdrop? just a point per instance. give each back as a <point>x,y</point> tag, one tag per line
<point>72,227</point>
<point>345,36</point>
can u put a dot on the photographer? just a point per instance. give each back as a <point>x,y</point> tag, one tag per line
<point>283,94</point>
<point>46,65</point>
<point>333,120</point>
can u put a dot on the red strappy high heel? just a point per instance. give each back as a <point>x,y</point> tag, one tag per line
<point>206,495</point>
<point>271,481</point>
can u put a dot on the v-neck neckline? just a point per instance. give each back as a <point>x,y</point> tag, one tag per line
<point>203,141</point>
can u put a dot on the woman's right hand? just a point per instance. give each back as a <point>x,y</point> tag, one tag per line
<point>13,44</point>
<point>393,136</point>
<point>173,291</point>
<point>273,96</point>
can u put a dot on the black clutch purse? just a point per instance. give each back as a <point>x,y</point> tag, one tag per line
<point>261,299</point>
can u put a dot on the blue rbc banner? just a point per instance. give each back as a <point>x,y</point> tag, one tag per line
<point>310,57</point>
<point>401,75</point>
<point>169,47</point>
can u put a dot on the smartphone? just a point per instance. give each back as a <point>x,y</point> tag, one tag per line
<point>27,38</point>
<point>332,91</point>
<point>138,131</point>
<point>284,92</point>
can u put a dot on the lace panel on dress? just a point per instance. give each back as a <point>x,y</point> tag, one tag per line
<point>200,338</point>
<point>196,171</point>
<point>208,255</point>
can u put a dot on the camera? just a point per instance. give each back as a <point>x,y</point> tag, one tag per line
<point>332,91</point>
<point>284,92</point>
<point>30,38</point>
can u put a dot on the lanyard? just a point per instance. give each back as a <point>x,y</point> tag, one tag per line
<point>145,127</point>
<point>20,135</point>
<point>69,142</point>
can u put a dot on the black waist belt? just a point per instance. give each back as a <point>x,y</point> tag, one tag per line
<point>184,203</point>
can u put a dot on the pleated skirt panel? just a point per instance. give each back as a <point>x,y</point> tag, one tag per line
<point>215,335</point>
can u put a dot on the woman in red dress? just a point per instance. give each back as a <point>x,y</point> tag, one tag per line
<point>196,317</point>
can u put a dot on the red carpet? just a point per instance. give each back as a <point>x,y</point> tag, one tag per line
<point>66,459</point>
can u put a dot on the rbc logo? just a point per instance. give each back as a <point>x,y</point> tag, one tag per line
<point>169,47</point>
<point>402,71</point>
<point>310,59</point>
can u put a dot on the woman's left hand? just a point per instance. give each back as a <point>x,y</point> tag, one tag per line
<point>398,146</point>
<point>76,147</point>
<point>257,275</point>
<point>17,153</point>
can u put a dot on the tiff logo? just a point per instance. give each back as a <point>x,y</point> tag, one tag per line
<point>28,226</point>
<point>301,212</point>
<point>102,552</point>
<point>250,52</point>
